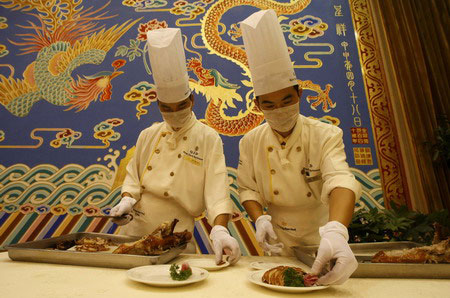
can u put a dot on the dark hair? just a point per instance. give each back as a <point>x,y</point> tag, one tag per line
<point>296,87</point>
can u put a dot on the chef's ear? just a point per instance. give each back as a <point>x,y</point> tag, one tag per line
<point>256,100</point>
<point>299,91</point>
<point>191,97</point>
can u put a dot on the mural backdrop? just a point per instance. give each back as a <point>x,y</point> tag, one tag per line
<point>76,90</point>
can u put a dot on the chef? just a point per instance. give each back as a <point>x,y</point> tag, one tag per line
<point>293,166</point>
<point>178,168</point>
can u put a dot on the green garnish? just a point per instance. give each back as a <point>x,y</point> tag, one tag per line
<point>292,278</point>
<point>183,274</point>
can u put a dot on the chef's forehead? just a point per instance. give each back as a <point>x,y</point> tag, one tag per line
<point>279,94</point>
<point>178,103</point>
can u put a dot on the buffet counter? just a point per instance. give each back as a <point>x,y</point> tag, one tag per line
<point>24,279</point>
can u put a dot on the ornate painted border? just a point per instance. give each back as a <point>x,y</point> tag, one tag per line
<point>390,161</point>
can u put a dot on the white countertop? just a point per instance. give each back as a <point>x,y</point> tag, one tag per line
<point>23,279</point>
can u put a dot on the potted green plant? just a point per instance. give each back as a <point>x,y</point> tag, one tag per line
<point>397,224</point>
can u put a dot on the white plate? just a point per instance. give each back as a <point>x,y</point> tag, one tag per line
<point>208,264</point>
<point>159,275</point>
<point>261,265</point>
<point>256,278</point>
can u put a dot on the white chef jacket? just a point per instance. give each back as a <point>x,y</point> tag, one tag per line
<point>294,183</point>
<point>176,175</point>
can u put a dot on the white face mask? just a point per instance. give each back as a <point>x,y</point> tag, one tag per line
<point>177,119</point>
<point>282,119</point>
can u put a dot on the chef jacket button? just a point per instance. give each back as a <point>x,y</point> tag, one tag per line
<point>172,173</point>
<point>303,172</point>
<point>196,148</point>
<point>179,155</point>
<point>163,134</point>
<point>272,172</point>
<point>149,168</point>
<point>143,187</point>
<point>299,149</point>
<point>166,194</point>
<point>185,138</point>
<point>276,192</point>
<point>157,151</point>
<point>309,194</point>
<point>270,149</point>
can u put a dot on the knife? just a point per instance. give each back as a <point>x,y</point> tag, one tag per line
<point>303,255</point>
<point>307,257</point>
<point>124,216</point>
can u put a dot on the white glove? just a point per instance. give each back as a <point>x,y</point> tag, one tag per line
<point>222,240</point>
<point>264,229</point>
<point>333,245</point>
<point>124,207</point>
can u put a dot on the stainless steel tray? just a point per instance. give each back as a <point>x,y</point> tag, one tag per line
<point>42,251</point>
<point>365,251</point>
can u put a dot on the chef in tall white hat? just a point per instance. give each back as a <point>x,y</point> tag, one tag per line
<point>178,168</point>
<point>292,165</point>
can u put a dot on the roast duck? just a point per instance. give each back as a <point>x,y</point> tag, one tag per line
<point>162,239</point>
<point>276,276</point>
<point>436,253</point>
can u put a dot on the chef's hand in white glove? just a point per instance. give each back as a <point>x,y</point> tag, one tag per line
<point>333,245</point>
<point>264,229</point>
<point>222,240</point>
<point>123,208</point>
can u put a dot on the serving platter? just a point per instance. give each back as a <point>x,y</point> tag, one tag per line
<point>44,251</point>
<point>364,252</point>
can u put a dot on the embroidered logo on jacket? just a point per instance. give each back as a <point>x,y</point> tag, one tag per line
<point>285,228</point>
<point>311,174</point>
<point>193,157</point>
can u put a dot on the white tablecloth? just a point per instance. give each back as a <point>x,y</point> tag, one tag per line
<point>27,280</point>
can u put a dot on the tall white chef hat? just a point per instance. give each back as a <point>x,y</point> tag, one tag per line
<point>168,62</point>
<point>267,53</point>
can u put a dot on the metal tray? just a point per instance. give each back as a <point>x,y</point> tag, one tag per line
<point>365,251</point>
<point>42,251</point>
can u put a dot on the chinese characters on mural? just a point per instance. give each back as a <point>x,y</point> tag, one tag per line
<point>360,136</point>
